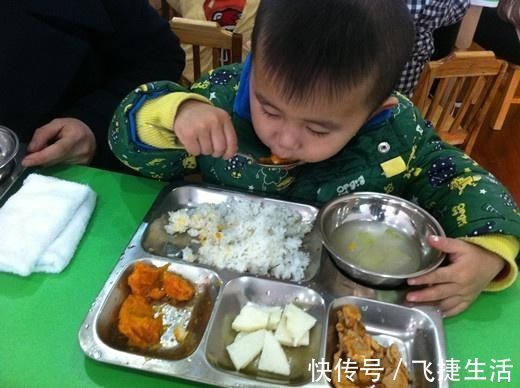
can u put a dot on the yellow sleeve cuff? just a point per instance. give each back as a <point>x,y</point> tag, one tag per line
<point>506,247</point>
<point>154,120</point>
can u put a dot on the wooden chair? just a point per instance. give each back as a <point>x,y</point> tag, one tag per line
<point>510,98</point>
<point>198,33</point>
<point>467,84</point>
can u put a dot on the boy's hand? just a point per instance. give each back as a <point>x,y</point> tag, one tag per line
<point>65,140</point>
<point>456,285</point>
<point>205,130</point>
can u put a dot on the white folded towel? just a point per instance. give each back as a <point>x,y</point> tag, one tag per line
<point>42,224</point>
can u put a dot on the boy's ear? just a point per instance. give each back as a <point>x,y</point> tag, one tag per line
<point>389,103</point>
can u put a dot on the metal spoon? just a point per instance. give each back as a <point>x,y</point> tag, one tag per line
<point>259,161</point>
<point>285,165</point>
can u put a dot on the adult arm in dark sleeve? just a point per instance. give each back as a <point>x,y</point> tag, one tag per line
<point>141,48</point>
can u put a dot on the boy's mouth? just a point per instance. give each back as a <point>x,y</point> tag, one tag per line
<point>276,160</point>
<point>278,154</point>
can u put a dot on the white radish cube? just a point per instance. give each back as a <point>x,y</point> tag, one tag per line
<point>275,313</point>
<point>241,334</point>
<point>251,318</point>
<point>243,351</point>
<point>282,334</point>
<point>298,322</point>
<point>304,340</point>
<point>285,338</point>
<point>273,358</point>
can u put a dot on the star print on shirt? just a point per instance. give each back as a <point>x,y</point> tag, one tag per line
<point>483,191</point>
<point>441,171</point>
<point>221,77</point>
<point>212,96</point>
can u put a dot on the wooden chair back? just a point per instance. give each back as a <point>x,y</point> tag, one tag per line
<point>510,97</point>
<point>199,33</point>
<point>457,105</point>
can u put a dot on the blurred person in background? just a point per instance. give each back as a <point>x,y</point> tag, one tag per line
<point>499,30</point>
<point>429,16</point>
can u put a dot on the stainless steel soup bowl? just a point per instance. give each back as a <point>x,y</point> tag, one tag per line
<point>393,212</point>
<point>8,149</point>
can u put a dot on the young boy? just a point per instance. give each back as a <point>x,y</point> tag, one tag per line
<point>318,89</point>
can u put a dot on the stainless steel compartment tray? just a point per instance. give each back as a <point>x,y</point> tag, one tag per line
<point>323,289</point>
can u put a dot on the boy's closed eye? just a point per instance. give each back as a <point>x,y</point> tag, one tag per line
<point>270,112</point>
<point>316,131</point>
<point>273,114</point>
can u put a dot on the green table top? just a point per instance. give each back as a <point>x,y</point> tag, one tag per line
<point>40,315</point>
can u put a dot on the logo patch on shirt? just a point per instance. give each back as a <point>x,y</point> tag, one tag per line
<point>351,186</point>
<point>393,167</point>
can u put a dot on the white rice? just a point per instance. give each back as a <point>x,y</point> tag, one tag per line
<point>245,236</point>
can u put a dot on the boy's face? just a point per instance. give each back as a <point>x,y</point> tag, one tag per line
<point>311,131</point>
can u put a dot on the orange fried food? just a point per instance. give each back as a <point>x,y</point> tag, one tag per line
<point>355,344</point>
<point>146,280</point>
<point>177,287</point>
<point>277,160</point>
<point>148,285</point>
<point>137,323</point>
<point>273,159</point>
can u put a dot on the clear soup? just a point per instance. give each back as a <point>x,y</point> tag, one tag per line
<point>377,247</point>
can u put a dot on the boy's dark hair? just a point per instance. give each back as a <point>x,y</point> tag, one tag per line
<point>334,45</point>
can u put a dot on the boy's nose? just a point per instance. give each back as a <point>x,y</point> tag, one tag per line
<point>289,137</point>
